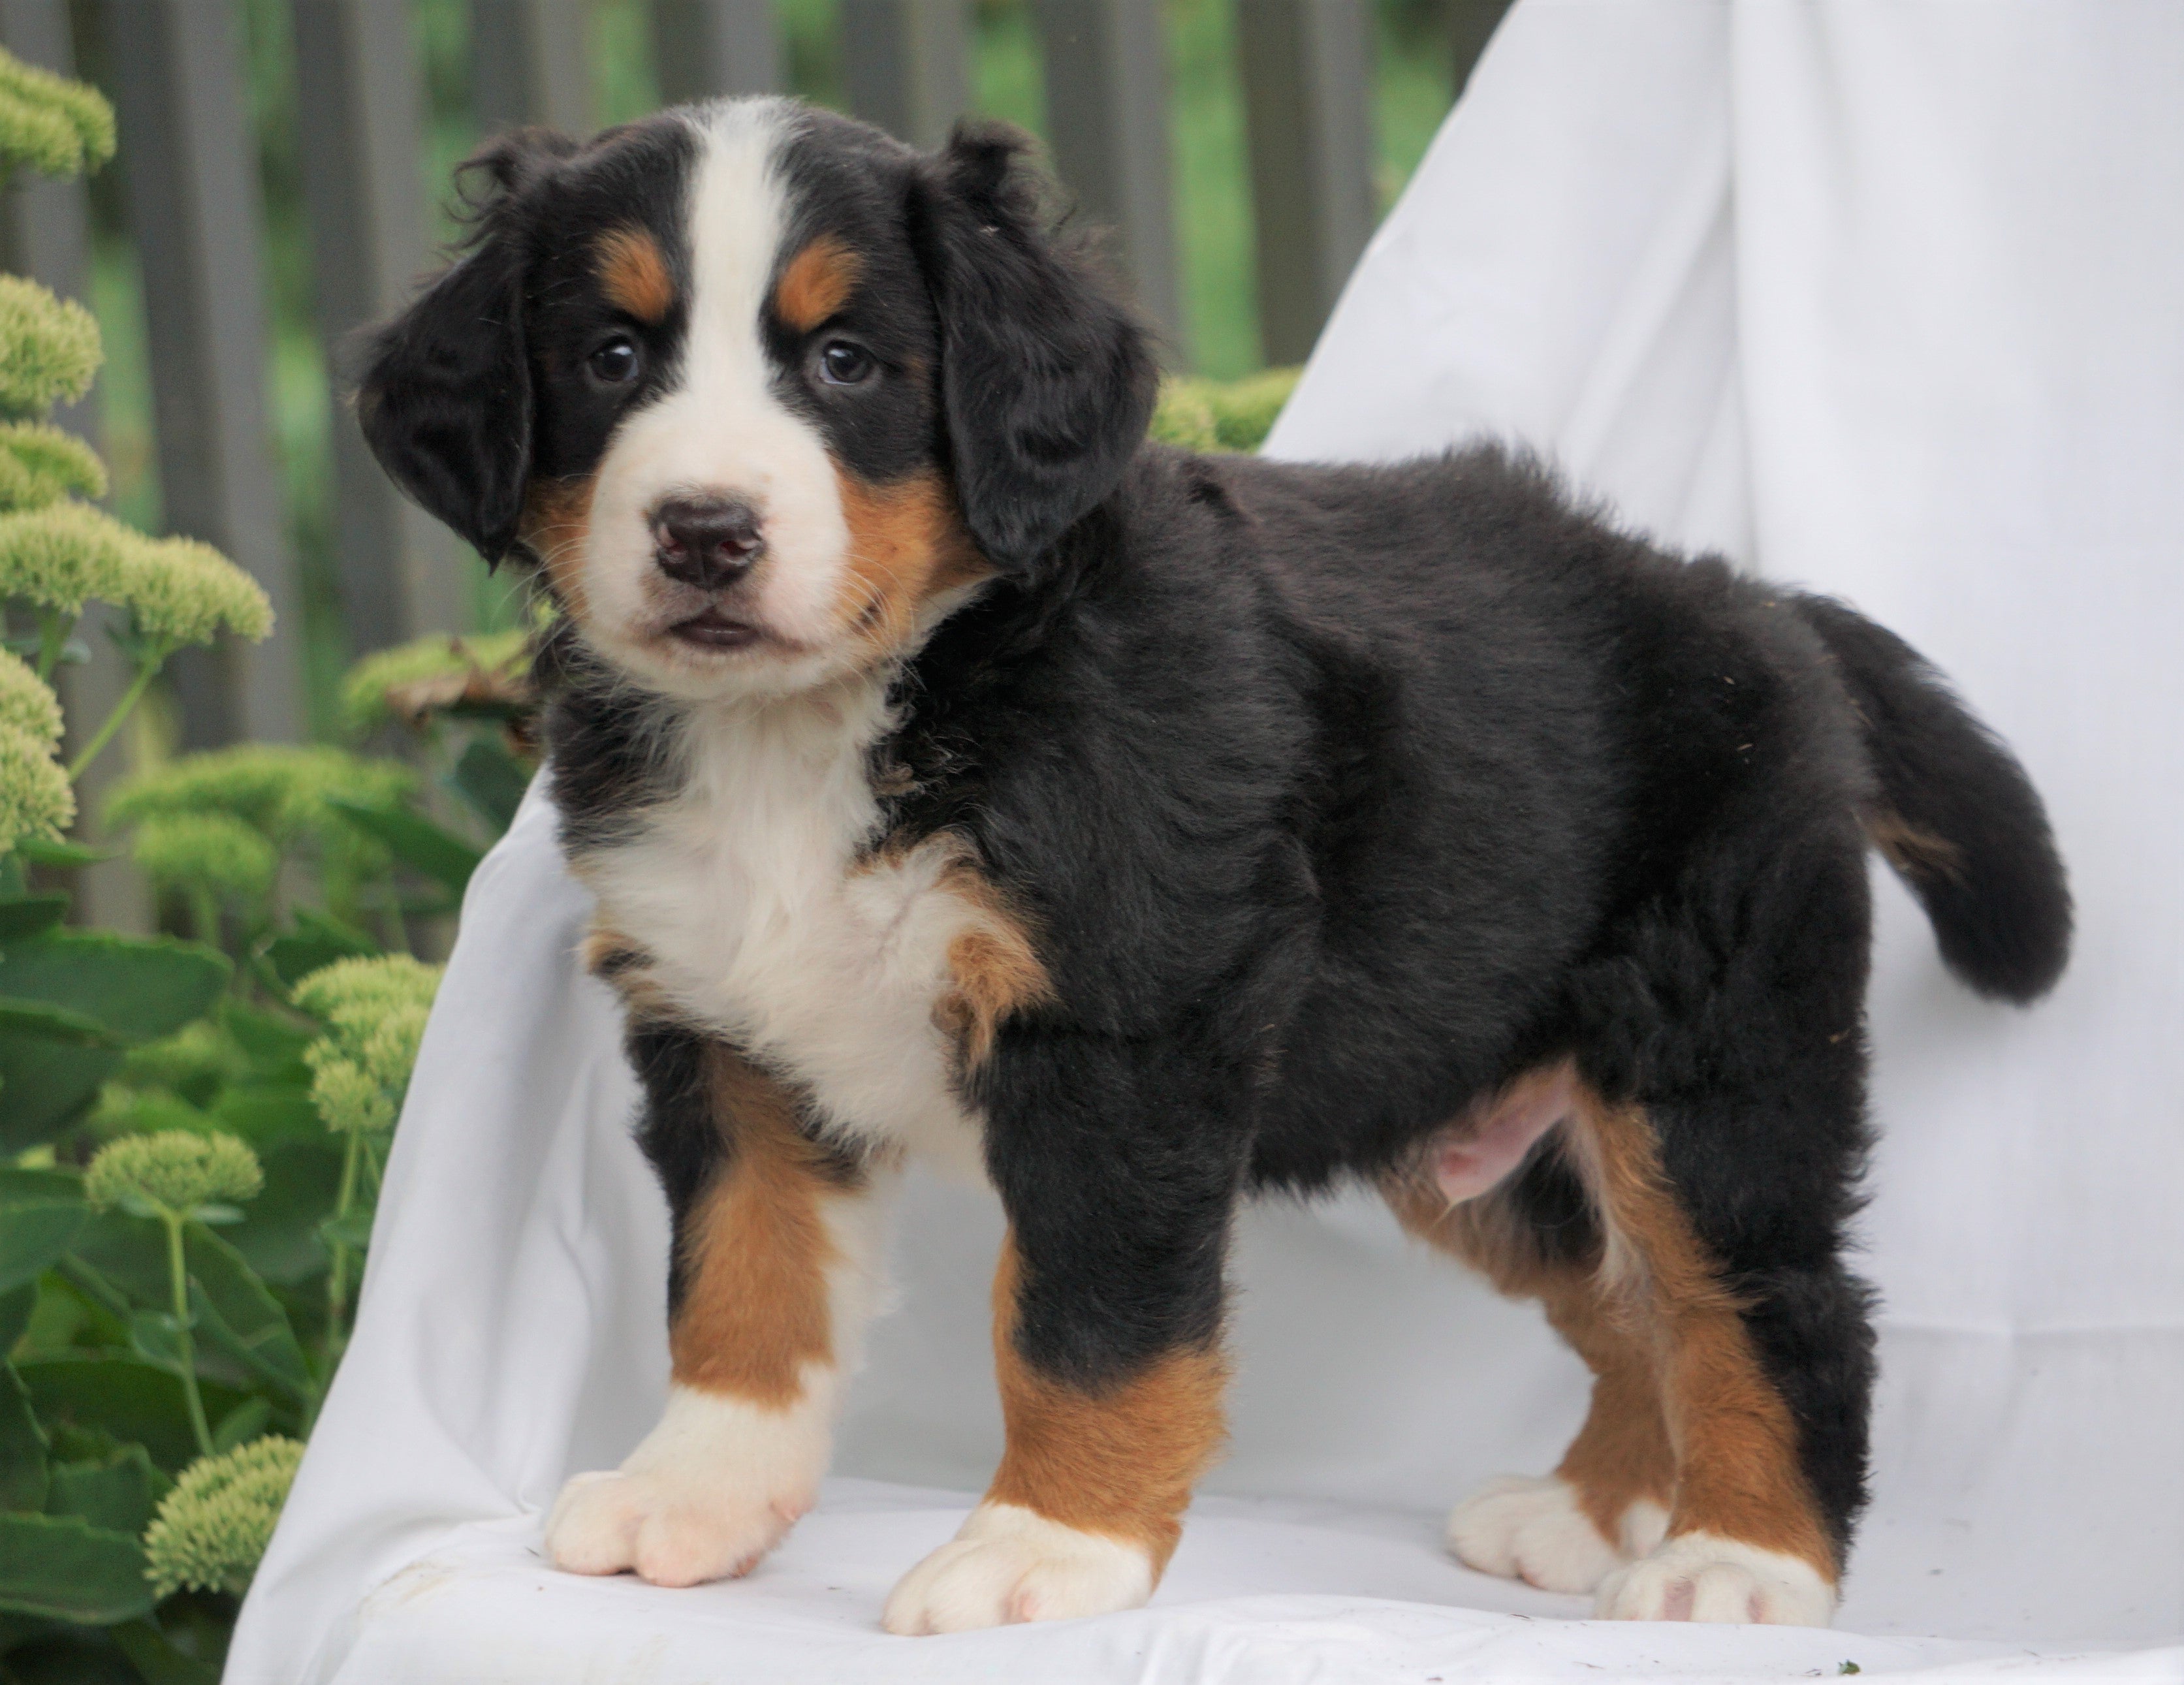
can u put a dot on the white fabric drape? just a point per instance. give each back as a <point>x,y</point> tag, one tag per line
<point>1884,297</point>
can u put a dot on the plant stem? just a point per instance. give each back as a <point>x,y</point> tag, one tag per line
<point>147,670</point>
<point>178,1275</point>
<point>337,1277</point>
<point>53,629</point>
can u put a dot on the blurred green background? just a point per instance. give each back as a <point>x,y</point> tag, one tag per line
<point>1413,90</point>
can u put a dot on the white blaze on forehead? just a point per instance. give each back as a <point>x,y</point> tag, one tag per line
<point>721,428</point>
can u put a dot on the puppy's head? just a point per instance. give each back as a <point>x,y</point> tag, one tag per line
<point>761,391</point>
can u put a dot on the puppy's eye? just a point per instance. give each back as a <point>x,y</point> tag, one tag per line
<point>616,363</point>
<point>843,364</point>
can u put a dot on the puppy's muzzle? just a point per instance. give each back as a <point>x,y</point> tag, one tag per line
<point>709,542</point>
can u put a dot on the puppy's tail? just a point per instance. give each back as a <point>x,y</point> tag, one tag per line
<point>1955,817</point>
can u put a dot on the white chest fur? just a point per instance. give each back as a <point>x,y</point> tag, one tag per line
<point>748,891</point>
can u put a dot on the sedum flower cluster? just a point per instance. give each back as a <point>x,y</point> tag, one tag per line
<point>36,799</point>
<point>56,127</point>
<point>1221,415</point>
<point>179,590</point>
<point>212,1530</point>
<point>413,680</point>
<point>375,1011</point>
<point>215,851</point>
<point>282,792</point>
<point>175,1168</point>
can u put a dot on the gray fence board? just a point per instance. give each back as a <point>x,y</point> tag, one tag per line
<point>1107,119</point>
<point>907,63</point>
<point>1307,101</point>
<point>193,197</point>
<point>705,48</point>
<point>45,233</point>
<point>360,114</point>
<point>530,62</point>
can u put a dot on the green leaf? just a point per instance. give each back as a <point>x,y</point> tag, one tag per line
<point>138,989</point>
<point>33,1235</point>
<point>247,1421</point>
<point>39,1021</point>
<point>492,781</point>
<point>117,1493</point>
<point>279,1239</point>
<point>413,840</point>
<point>234,1310</point>
<point>353,1231</point>
<point>64,1569</point>
<point>43,851</point>
<point>273,1043</point>
<point>67,1656</point>
<point>265,1113</point>
<point>19,1182</point>
<point>26,916</point>
<point>126,1397</point>
<point>22,1447</point>
<point>158,1661</point>
<point>129,1253</point>
<point>317,940</point>
<point>156,1336</point>
<point>16,1310</point>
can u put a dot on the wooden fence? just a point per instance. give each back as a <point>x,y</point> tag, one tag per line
<point>177,73</point>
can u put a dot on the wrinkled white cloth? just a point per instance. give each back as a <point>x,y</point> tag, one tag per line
<point>1884,297</point>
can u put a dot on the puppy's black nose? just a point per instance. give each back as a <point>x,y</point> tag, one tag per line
<point>710,542</point>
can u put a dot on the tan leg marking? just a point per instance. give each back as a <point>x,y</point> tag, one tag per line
<point>633,274</point>
<point>993,969</point>
<point>1622,1455</point>
<point>1122,1462</point>
<point>756,1252</point>
<point>1735,1441</point>
<point>815,284</point>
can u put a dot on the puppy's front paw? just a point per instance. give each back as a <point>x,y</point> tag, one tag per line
<point>1698,1577</point>
<point>1008,1564</point>
<point>672,1533</point>
<point>709,1492</point>
<point>1532,1529</point>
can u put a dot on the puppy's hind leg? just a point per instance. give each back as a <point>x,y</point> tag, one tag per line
<point>1530,1235</point>
<point>776,1266</point>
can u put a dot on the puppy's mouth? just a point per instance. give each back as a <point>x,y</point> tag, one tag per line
<point>713,628</point>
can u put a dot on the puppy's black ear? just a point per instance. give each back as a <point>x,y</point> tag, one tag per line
<point>1046,380</point>
<point>444,396</point>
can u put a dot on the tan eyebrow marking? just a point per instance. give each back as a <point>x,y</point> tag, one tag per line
<point>815,284</point>
<point>635,274</point>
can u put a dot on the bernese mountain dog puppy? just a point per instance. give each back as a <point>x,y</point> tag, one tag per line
<point>959,774</point>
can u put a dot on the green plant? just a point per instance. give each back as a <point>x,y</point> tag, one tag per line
<point>184,1187</point>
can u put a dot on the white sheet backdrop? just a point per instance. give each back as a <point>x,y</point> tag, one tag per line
<point>1881,296</point>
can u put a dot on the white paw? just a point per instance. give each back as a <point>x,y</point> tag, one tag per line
<point>1006,1564</point>
<point>1531,1529</point>
<point>709,1492</point>
<point>1698,1576</point>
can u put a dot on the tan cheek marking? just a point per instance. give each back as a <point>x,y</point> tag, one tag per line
<point>907,543</point>
<point>633,275</point>
<point>816,283</point>
<point>1122,1462</point>
<point>1735,1443</point>
<point>557,521</point>
<point>755,1306</point>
